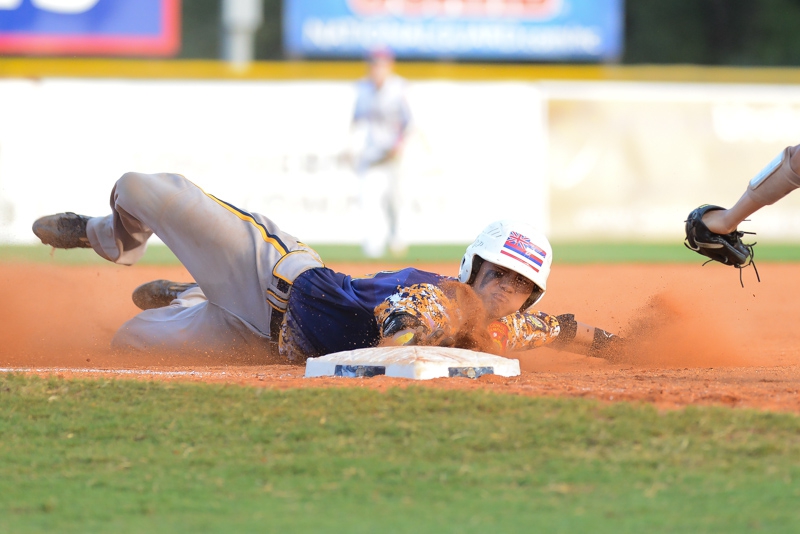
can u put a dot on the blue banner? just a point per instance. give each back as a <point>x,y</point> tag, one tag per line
<point>101,27</point>
<point>546,30</point>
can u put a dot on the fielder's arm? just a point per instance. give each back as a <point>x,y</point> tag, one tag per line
<point>772,183</point>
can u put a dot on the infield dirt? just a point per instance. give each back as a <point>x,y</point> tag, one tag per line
<point>698,337</point>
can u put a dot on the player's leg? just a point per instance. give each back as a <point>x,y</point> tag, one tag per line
<point>244,263</point>
<point>373,199</point>
<point>394,203</point>
<point>200,329</point>
<point>774,182</point>
<point>160,293</point>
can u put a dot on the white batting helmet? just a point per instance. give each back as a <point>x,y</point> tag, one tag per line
<point>513,245</point>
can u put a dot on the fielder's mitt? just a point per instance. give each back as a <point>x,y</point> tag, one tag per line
<point>727,249</point>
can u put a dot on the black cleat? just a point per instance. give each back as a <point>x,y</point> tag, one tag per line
<point>63,230</point>
<point>158,293</point>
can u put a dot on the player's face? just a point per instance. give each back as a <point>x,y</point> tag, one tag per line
<point>502,290</point>
<point>379,70</point>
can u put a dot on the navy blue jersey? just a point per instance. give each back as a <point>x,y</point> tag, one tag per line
<point>331,312</point>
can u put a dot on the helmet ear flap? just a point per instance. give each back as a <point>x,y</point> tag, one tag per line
<point>536,294</point>
<point>477,261</point>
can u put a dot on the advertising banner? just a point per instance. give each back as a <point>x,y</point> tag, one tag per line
<point>90,27</point>
<point>549,30</point>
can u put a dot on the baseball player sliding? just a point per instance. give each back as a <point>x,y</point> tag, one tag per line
<point>713,231</point>
<point>259,289</point>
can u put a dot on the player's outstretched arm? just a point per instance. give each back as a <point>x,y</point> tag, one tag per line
<point>712,231</point>
<point>584,339</point>
<point>527,331</point>
<point>774,182</point>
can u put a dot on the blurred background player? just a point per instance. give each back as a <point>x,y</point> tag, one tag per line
<point>380,122</point>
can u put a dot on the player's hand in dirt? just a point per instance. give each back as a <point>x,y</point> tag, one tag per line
<point>405,329</point>
<point>608,346</point>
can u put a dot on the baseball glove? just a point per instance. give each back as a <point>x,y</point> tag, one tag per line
<point>727,249</point>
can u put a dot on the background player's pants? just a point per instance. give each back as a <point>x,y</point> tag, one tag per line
<point>230,253</point>
<point>379,202</point>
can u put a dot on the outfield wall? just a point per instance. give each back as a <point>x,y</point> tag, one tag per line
<point>585,153</point>
<point>277,148</point>
<point>629,160</point>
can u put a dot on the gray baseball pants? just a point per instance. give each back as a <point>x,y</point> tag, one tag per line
<point>243,263</point>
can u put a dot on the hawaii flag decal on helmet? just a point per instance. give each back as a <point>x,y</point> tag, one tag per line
<point>521,248</point>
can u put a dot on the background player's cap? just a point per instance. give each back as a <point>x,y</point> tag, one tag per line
<point>514,245</point>
<point>381,53</point>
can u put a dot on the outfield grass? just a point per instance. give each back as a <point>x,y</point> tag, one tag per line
<point>130,456</point>
<point>564,253</point>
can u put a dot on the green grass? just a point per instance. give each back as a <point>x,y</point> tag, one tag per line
<point>658,253</point>
<point>155,255</point>
<point>129,456</point>
<point>564,253</point>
